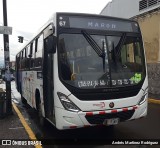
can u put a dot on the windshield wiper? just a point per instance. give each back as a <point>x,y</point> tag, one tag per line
<point>100,52</point>
<point>94,45</point>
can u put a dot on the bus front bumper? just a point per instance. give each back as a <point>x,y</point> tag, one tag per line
<point>71,120</point>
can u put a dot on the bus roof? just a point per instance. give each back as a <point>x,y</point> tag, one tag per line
<point>70,14</point>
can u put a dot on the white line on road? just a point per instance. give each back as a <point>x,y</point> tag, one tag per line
<point>16,127</point>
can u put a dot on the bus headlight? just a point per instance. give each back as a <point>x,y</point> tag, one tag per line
<point>67,104</point>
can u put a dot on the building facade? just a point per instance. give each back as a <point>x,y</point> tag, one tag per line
<point>150,27</point>
<point>129,8</point>
<point>147,13</point>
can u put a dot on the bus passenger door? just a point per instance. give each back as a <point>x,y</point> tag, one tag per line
<point>48,85</point>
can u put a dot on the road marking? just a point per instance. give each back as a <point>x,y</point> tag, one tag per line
<point>26,126</point>
<point>153,101</point>
<point>16,102</point>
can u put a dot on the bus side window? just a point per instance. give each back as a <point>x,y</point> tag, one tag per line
<point>30,51</point>
<point>27,59</point>
<point>38,53</point>
<point>32,54</point>
<point>20,56</point>
<point>18,61</point>
<point>22,59</point>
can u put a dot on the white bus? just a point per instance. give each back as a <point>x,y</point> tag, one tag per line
<point>84,70</point>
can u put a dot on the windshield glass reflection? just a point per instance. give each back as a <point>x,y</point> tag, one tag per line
<point>95,61</point>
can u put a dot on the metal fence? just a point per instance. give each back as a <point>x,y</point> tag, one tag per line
<point>144,4</point>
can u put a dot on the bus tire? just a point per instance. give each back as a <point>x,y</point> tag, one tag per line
<point>39,109</point>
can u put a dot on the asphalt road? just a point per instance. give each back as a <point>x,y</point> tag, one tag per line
<point>145,129</point>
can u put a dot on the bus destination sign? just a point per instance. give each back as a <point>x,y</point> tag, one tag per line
<point>98,24</point>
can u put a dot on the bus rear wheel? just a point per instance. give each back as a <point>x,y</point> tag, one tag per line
<point>41,119</point>
<point>40,116</point>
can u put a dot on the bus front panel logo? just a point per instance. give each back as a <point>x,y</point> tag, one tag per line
<point>111,105</point>
<point>101,104</point>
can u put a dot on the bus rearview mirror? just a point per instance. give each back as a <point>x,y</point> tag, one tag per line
<point>50,44</point>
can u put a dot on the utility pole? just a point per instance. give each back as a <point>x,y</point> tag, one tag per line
<point>7,61</point>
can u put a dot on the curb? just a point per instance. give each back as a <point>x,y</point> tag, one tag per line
<point>153,101</point>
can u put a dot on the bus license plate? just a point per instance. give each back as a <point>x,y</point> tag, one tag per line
<point>112,121</point>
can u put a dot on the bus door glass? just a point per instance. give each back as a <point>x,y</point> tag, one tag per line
<point>48,82</point>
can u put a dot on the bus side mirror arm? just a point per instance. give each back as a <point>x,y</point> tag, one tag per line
<point>50,44</point>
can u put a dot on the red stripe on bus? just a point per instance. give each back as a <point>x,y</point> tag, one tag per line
<point>135,107</point>
<point>102,112</point>
<point>125,109</point>
<point>113,111</point>
<point>89,113</point>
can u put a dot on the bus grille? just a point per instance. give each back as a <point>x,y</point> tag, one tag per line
<point>99,119</point>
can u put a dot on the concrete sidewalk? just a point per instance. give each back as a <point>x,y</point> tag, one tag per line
<point>15,129</point>
<point>12,128</point>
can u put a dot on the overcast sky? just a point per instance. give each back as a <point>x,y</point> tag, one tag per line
<point>27,16</point>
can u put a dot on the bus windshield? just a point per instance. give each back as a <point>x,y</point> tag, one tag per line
<point>89,61</point>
